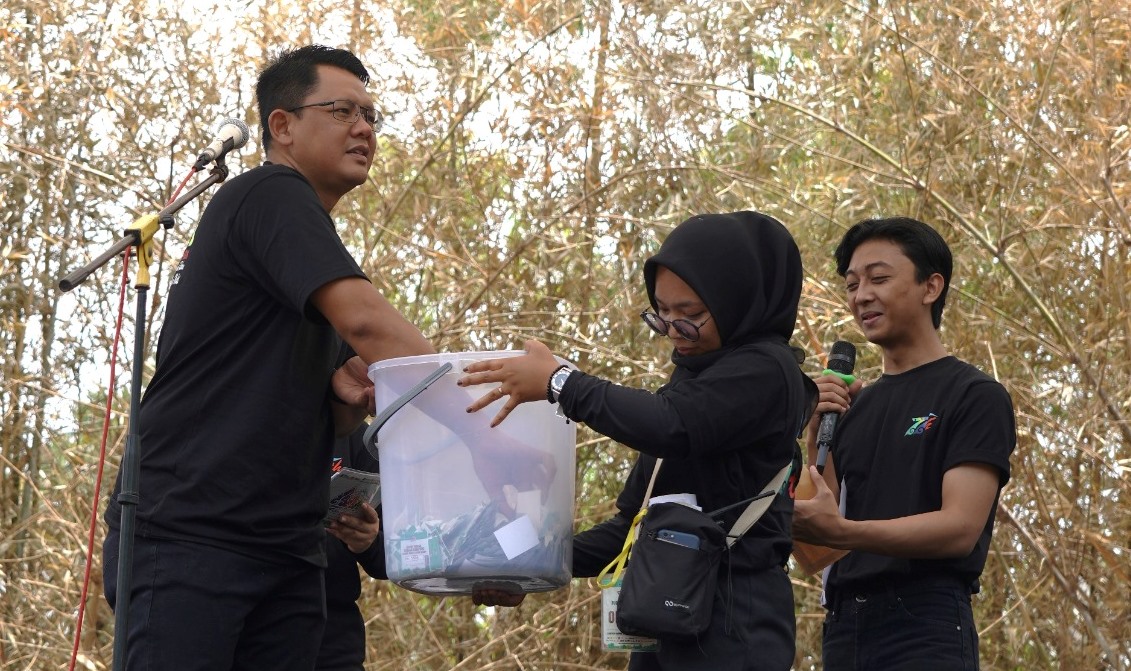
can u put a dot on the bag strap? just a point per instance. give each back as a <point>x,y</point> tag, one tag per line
<point>610,575</point>
<point>758,506</point>
<point>651,483</point>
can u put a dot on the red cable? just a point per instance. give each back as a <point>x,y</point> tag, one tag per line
<point>182,186</point>
<point>105,432</point>
<point>102,455</point>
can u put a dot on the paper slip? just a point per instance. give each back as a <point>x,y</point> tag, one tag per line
<point>688,500</point>
<point>517,537</point>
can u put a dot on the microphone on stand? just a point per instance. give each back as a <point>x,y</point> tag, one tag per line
<point>842,359</point>
<point>232,134</point>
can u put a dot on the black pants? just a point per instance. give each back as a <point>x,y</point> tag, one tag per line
<point>926,625</point>
<point>195,607</point>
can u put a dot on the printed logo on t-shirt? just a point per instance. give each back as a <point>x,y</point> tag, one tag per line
<point>180,268</point>
<point>337,465</point>
<point>921,425</point>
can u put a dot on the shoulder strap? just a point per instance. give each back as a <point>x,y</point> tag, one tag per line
<point>611,574</point>
<point>758,506</point>
<point>651,482</point>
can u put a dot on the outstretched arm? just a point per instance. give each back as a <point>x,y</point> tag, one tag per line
<point>968,493</point>
<point>375,330</point>
<point>638,418</point>
<point>521,379</point>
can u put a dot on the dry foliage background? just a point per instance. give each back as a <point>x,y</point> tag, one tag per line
<point>538,153</point>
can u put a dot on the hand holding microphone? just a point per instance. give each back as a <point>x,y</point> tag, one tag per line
<point>811,557</point>
<point>842,359</point>
<point>232,134</point>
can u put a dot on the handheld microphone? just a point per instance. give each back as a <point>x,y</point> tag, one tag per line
<point>232,134</point>
<point>842,359</point>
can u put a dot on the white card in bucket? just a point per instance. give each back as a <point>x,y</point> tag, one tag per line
<point>517,537</point>
<point>612,638</point>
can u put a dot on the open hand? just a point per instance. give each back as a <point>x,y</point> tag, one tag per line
<point>521,379</point>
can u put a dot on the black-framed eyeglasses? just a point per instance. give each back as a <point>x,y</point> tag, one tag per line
<point>347,111</point>
<point>687,329</point>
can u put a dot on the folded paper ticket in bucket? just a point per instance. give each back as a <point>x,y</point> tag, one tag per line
<point>465,505</point>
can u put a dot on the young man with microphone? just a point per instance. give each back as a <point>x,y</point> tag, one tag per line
<point>918,460</point>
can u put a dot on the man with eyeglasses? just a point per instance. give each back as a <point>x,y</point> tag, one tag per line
<point>238,422</point>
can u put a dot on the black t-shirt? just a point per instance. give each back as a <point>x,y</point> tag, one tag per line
<point>894,445</point>
<point>235,428</point>
<point>343,641</point>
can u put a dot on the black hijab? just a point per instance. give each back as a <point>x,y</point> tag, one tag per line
<point>746,268</point>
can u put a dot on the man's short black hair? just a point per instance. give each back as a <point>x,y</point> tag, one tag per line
<point>919,242</point>
<point>291,75</point>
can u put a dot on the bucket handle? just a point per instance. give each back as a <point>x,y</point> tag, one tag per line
<point>370,437</point>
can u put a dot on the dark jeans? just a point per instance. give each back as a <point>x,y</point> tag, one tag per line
<point>922,626</point>
<point>201,608</point>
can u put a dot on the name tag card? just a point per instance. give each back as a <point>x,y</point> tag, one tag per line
<point>612,639</point>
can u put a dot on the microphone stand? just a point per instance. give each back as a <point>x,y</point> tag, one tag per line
<point>139,234</point>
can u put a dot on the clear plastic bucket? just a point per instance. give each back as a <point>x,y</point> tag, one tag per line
<point>464,504</point>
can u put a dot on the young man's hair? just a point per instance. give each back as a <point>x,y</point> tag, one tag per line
<point>919,242</point>
<point>291,75</point>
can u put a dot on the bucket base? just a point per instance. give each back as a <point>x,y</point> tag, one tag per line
<point>446,586</point>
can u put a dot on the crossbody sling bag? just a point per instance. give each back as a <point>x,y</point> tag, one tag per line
<point>668,588</point>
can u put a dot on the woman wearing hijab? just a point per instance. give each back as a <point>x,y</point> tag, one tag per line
<point>724,289</point>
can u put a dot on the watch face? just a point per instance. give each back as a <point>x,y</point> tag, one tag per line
<point>559,379</point>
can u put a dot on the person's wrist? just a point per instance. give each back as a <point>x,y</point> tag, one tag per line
<point>840,532</point>
<point>550,395</point>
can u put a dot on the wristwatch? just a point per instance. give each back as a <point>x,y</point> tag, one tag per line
<point>557,381</point>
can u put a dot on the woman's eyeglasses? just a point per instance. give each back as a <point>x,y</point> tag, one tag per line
<point>687,329</point>
<point>347,111</point>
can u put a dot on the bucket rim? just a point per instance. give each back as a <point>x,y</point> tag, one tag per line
<point>440,358</point>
